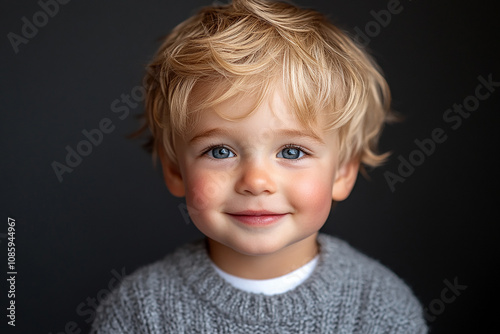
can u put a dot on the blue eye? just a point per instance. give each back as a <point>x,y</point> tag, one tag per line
<point>291,153</point>
<point>220,152</point>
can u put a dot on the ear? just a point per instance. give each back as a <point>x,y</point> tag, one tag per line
<point>345,179</point>
<point>171,174</point>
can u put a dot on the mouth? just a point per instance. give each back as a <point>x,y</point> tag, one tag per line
<point>257,218</point>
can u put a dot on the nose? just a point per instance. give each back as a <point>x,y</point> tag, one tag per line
<point>255,179</point>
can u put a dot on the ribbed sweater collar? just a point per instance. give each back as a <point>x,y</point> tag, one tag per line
<point>193,264</point>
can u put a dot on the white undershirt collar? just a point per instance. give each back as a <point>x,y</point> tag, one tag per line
<point>270,286</point>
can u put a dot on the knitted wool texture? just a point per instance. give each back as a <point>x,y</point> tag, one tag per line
<point>346,293</point>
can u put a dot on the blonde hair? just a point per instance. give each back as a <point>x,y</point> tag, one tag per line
<point>249,45</point>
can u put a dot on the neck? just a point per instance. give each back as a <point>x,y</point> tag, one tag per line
<point>265,266</point>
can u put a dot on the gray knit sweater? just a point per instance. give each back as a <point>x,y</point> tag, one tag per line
<point>346,293</point>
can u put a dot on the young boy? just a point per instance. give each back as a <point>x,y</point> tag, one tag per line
<point>261,114</point>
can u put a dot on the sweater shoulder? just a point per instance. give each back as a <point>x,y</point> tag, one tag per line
<point>343,257</point>
<point>161,271</point>
<point>379,290</point>
<point>144,291</point>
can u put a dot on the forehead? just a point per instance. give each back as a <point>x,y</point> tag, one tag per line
<point>242,117</point>
<point>269,108</point>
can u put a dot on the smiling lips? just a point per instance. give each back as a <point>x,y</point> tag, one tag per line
<point>257,218</point>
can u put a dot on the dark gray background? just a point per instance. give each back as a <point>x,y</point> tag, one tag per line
<point>114,214</point>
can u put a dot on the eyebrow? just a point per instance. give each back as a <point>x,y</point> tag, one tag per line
<point>209,133</point>
<point>283,132</point>
<point>300,133</point>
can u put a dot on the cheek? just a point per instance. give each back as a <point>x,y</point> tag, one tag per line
<point>205,189</point>
<point>312,196</point>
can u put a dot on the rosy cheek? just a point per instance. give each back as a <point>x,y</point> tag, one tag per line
<point>203,190</point>
<point>312,196</point>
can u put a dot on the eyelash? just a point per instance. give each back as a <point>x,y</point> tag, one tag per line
<point>211,147</point>
<point>295,146</point>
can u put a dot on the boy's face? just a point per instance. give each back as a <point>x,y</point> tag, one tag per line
<point>259,184</point>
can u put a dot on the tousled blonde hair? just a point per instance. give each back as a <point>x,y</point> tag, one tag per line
<point>248,46</point>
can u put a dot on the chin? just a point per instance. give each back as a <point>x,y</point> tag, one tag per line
<point>256,246</point>
<point>266,247</point>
